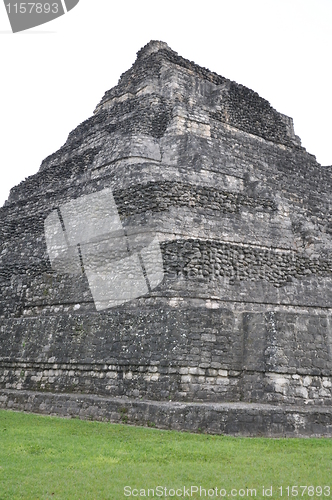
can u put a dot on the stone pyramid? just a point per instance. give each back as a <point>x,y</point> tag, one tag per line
<point>171,263</point>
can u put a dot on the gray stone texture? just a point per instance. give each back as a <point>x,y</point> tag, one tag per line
<point>239,331</point>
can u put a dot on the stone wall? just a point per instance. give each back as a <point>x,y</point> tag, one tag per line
<point>242,214</point>
<point>238,419</point>
<point>168,352</point>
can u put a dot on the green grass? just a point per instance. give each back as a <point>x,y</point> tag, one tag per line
<point>52,458</point>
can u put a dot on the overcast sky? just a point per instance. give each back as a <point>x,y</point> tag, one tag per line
<point>53,76</point>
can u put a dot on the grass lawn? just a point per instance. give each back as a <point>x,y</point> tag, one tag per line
<point>52,458</point>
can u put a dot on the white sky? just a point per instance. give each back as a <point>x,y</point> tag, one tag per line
<point>53,76</point>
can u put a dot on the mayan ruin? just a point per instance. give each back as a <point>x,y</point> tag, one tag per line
<point>171,264</point>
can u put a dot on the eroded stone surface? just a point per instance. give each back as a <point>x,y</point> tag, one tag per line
<point>242,216</point>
